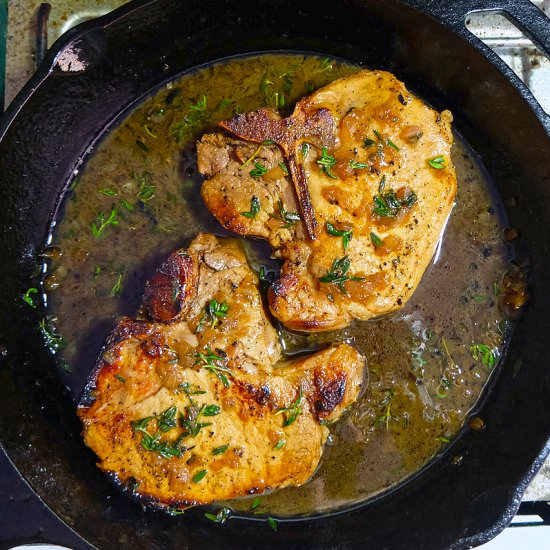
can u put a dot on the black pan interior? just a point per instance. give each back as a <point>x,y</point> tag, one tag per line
<point>102,69</point>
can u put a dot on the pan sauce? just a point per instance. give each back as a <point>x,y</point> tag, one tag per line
<point>424,374</point>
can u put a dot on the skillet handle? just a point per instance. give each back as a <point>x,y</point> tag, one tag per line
<point>525,15</point>
<point>521,13</point>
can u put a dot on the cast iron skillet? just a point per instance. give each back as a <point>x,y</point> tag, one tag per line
<point>99,69</point>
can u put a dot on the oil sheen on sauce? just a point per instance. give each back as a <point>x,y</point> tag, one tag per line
<point>427,363</point>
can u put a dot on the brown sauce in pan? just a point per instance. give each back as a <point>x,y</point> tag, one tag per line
<point>425,376</point>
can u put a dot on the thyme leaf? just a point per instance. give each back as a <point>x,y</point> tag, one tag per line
<point>220,450</point>
<point>117,287</point>
<point>199,476</point>
<point>355,165</point>
<point>376,240</point>
<point>437,162</point>
<point>259,170</point>
<point>254,207</point>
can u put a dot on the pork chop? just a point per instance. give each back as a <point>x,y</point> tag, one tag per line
<point>353,191</point>
<point>191,402</point>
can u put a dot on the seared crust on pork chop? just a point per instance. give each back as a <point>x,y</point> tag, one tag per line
<point>190,402</point>
<point>354,204</point>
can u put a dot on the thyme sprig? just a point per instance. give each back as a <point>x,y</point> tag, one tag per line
<point>288,218</point>
<point>214,311</point>
<point>214,363</point>
<point>101,223</point>
<point>338,274</point>
<point>327,162</point>
<point>387,205</point>
<point>386,415</point>
<point>292,412</point>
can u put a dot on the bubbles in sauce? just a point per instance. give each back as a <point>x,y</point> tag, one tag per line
<point>138,198</point>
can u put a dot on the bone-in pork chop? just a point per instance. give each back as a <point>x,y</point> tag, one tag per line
<point>353,191</point>
<point>191,403</point>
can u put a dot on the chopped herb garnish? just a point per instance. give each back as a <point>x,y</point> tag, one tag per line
<point>283,167</point>
<point>220,450</point>
<point>259,170</point>
<point>437,162</point>
<point>142,146</point>
<point>479,298</point>
<point>108,192</point>
<point>127,205</point>
<point>327,162</point>
<point>346,234</point>
<point>220,517</point>
<point>117,287</point>
<point>288,218</point>
<point>488,356</point>
<point>199,476</point>
<point>338,274</point>
<point>305,150</point>
<point>120,378</point>
<point>146,187</point>
<point>211,410</point>
<point>280,444</point>
<point>254,207</point>
<point>387,205</point>
<point>272,523</point>
<point>496,289</point>
<point>190,120</point>
<point>392,144</point>
<point>98,227</point>
<point>443,439</point>
<point>376,240</point>
<point>355,165</point>
<point>382,184</point>
<point>188,389</point>
<point>291,413</point>
<point>53,340</point>
<point>214,311</point>
<point>255,503</point>
<point>215,364</point>
<point>367,142</point>
<point>27,298</point>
